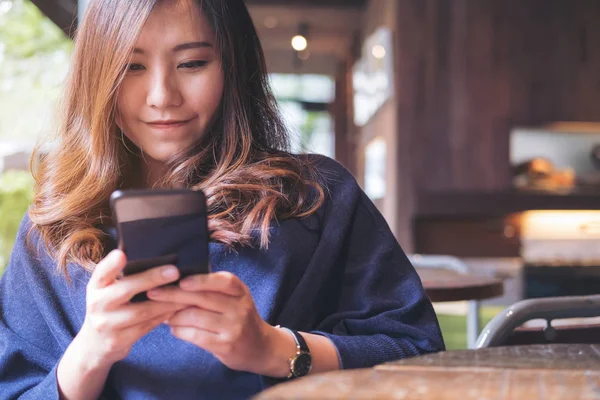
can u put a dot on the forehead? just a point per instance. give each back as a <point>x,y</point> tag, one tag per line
<point>174,21</point>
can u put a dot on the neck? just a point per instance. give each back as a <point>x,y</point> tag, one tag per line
<point>151,171</point>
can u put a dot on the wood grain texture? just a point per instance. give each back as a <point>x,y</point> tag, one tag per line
<point>441,385</point>
<point>567,357</point>
<point>470,71</point>
<point>466,236</point>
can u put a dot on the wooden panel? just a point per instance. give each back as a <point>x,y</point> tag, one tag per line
<point>467,237</point>
<point>342,114</point>
<point>490,204</point>
<point>409,89</point>
<point>466,119</point>
<point>471,70</point>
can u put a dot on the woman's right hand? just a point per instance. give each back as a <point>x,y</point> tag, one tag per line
<point>112,323</point>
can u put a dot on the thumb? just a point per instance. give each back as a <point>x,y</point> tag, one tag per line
<point>108,269</point>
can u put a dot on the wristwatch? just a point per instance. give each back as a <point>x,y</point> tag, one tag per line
<point>301,362</point>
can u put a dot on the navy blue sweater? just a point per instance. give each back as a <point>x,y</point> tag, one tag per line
<point>339,273</point>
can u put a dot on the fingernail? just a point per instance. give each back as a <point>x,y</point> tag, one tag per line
<point>170,272</point>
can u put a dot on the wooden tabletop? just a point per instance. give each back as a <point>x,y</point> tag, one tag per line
<point>446,285</point>
<point>532,357</point>
<point>380,384</point>
<point>544,372</point>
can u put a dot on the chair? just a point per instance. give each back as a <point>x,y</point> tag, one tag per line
<point>504,329</point>
<point>454,264</point>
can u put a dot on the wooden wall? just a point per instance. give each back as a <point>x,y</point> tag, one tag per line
<point>469,71</point>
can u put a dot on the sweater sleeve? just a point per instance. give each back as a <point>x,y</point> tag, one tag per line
<point>28,349</point>
<point>369,300</point>
<point>382,312</point>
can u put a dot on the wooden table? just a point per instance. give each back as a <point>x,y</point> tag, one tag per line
<point>545,372</point>
<point>531,357</point>
<point>447,285</point>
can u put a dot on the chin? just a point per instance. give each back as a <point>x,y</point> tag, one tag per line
<point>162,155</point>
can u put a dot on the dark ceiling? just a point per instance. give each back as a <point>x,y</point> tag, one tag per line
<point>64,12</point>
<point>311,3</point>
<point>325,53</point>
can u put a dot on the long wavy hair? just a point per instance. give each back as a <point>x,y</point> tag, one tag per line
<point>242,164</point>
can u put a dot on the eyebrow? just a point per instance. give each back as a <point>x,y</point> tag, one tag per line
<point>181,47</point>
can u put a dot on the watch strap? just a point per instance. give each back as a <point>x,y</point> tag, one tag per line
<point>300,342</point>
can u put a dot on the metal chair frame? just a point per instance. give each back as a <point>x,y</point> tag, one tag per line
<point>497,331</point>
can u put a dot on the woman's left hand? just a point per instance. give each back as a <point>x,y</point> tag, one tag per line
<point>222,319</point>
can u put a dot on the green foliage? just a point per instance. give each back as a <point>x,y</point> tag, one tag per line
<point>34,58</point>
<point>308,127</point>
<point>26,32</point>
<point>16,192</point>
<point>454,327</point>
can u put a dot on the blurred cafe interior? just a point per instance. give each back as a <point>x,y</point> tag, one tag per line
<point>473,125</point>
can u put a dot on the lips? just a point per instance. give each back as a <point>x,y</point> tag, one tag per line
<point>165,124</point>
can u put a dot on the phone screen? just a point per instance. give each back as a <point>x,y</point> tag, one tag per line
<point>180,240</point>
<point>161,227</point>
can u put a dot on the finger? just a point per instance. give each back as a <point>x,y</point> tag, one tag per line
<point>206,340</point>
<point>108,269</point>
<point>136,314</point>
<point>140,313</point>
<point>211,301</point>
<point>136,332</point>
<point>124,289</point>
<point>223,282</point>
<point>196,317</point>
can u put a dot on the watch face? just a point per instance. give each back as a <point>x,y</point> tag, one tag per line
<point>302,364</point>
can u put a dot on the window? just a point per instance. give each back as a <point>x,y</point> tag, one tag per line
<point>304,102</point>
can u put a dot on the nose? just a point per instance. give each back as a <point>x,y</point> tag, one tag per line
<point>163,91</point>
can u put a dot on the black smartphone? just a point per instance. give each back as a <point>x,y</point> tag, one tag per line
<point>159,227</point>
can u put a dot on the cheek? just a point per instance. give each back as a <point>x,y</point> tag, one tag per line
<point>205,97</point>
<point>124,117</point>
<point>127,103</point>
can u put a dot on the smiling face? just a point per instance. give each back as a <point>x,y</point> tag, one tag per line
<point>174,82</point>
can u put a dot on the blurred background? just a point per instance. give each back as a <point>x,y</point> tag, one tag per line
<point>473,125</point>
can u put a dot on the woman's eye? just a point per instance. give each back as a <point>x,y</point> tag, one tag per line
<point>193,64</point>
<point>135,67</point>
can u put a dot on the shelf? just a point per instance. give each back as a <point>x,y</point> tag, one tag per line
<point>461,204</point>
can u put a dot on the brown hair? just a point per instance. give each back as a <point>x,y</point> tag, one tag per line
<point>242,164</point>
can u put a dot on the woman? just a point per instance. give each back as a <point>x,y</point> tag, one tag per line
<point>174,94</point>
